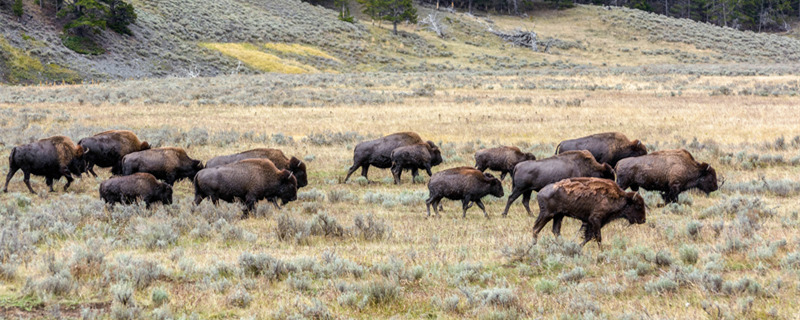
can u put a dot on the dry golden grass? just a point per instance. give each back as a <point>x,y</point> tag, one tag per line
<point>250,55</point>
<point>438,245</point>
<point>299,49</point>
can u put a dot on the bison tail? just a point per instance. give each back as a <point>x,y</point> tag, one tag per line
<point>11,157</point>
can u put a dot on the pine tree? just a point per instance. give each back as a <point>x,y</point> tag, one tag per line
<point>396,11</point>
<point>17,8</point>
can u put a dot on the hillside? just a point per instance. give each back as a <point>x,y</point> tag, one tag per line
<point>172,39</point>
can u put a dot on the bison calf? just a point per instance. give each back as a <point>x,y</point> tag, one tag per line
<point>415,157</point>
<point>609,147</point>
<point>294,165</point>
<point>168,164</point>
<point>248,181</point>
<point>668,171</point>
<point>465,184</point>
<point>501,159</point>
<point>52,157</point>
<point>136,187</point>
<point>378,152</point>
<point>532,176</point>
<point>109,147</point>
<point>595,202</point>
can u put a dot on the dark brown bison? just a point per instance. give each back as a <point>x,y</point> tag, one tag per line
<point>609,147</point>
<point>168,164</point>
<point>668,171</point>
<point>248,181</point>
<point>109,147</point>
<point>136,187</point>
<point>529,176</point>
<point>463,183</point>
<point>52,158</point>
<point>378,152</point>
<point>297,167</point>
<point>501,159</point>
<point>595,202</point>
<point>415,157</point>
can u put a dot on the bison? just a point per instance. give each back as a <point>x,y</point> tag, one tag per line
<point>668,171</point>
<point>109,147</point>
<point>501,159</point>
<point>378,152</point>
<point>52,158</point>
<point>248,180</point>
<point>168,164</point>
<point>593,201</point>
<point>136,187</point>
<point>464,183</point>
<point>415,157</point>
<point>609,147</point>
<point>294,165</point>
<point>529,176</point>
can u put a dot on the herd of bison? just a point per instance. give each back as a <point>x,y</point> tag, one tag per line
<point>586,179</point>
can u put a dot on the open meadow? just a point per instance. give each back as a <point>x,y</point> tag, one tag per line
<point>359,250</point>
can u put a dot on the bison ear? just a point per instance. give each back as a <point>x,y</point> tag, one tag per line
<point>285,174</point>
<point>144,146</point>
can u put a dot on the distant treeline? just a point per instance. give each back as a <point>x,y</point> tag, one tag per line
<point>754,15</point>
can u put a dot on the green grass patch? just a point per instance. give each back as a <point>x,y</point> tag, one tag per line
<point>82,45</point>
<point>26,302</point>
<point>251,56</point>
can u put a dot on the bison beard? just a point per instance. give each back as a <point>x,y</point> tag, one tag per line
<point>593,201</point>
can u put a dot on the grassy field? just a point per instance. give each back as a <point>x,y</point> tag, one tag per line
<point>361,250</point>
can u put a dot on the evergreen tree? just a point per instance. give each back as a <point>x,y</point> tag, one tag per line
<point>394,11</point>
<point>17,8</point>
<point>120,15</point>
<point>84,16</point>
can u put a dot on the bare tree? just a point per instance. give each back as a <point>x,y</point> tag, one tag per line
<point>434,23</point>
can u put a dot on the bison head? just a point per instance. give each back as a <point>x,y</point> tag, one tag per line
<point>164,192</point>
<point>79,164</point>
<point>707,181</point>
<point>287,190</point>
<point>635,149</point>
<point>299,169</point>
<point>430,143</point>
<point>144,146</point>
<point>634,210</point>
<point>608,172</point>
<point>528,156</point>
<point>196,167</point>
<point>436,156</point>
<point>495,186</point>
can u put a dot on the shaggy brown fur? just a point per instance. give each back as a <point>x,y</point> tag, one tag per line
<point>276,156</point>
<point>463,183</point>
<point>594,201</point>
<point>415,157</point>
<point>51,157</point>
<point>109,147</point>
<point>378,152</point>
<point>136,187</point>
<point>668,171</point>
<point>609,147</point>
<point>501,159</point>
<point>168,164</point>
<point>248,181</point>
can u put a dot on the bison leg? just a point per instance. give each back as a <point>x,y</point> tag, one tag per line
<point>198,198</point>
<point>12,170</point>
<point>69,181</point>
<point>428,170</point>
<point>397,171</point>
<point>250,205</point>
<point>513,197</point>
<point>434,201</point>
<point>414,175</point>
<point>480,205</point>
<point>351,171</point>
<point>49,182</point>
<point>526,201</point>
<point>593,230</point>
<point>27,179</point>
<point>170,179</point>
<point>557,225</point>
<point>542,220</point>
<point>503,175</point>
<point>364,171</point>
<point>275,203</point>
<point>90,169</point>
<point>465,204</point>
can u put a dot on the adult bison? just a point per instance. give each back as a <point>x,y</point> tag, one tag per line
<point>501,159</point>
<point>136,187</point>
<point>668,171</point>
<point>52,158</point>
<point>378,152</point>
<point>532,176</point>
<point>109,147</point>
<point>294,165</point>
<point>168,164</point>
<point>249,181</point>
<point>609,147</point>
<point>463,183</point>
<point>415,157</point>
<point>593,201</point>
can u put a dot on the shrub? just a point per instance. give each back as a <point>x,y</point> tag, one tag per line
<point>239,298</point>
<point>546,286</point>
<point>574,275</point>
<point>379,293</point>
<point>264,265</point>
<point>159,297</point>
<point>499,297</point>
<point>661,285</point>
<point>663,258</point>
<point>689,254</point>
<point>369,228</point>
